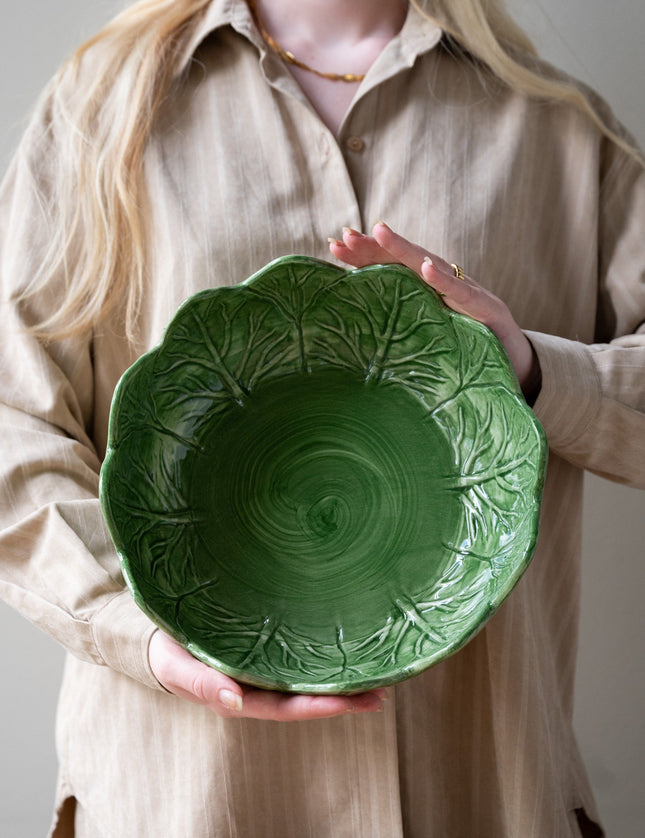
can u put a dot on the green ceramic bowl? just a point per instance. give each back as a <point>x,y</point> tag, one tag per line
<point>322,480</point>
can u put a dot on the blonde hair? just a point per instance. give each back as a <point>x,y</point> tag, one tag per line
<point>99,245</point>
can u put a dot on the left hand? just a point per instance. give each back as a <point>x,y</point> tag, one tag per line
<point>464,296</point>
<point>183,675</point>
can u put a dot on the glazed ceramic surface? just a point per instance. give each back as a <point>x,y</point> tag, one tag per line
<point>321,480</point>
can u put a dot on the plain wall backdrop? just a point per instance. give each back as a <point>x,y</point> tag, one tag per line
<point>597,41</point>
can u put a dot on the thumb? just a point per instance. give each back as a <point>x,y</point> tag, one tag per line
<point>183,675</point>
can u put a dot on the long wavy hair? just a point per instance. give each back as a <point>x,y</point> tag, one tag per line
<point>98,243</point>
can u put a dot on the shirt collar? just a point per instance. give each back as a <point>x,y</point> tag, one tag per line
<point>417,36</point>
<point>218,13</point>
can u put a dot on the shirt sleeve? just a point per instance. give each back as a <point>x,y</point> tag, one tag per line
<point>592,401</point>
<point>58,566</point>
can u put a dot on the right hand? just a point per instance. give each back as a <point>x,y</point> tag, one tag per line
<point>463,295</point>
<point>183,675</point>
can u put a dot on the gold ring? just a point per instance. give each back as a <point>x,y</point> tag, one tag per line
<point>458,271</point>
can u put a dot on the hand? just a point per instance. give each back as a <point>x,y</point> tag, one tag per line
<point>464,296</point>
<point>183,675</point>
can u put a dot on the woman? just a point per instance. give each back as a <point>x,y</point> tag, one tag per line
<point>184,150</point>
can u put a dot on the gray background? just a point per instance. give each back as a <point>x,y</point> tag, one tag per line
<point>597,41</point>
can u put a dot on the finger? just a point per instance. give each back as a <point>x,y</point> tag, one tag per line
<point>341,252</point>
<point>358,250</point>
<point>457,292</point>
<point>365,247</point>
<point>402,250</point>
<point>413,255</point>
<point>273,706</point>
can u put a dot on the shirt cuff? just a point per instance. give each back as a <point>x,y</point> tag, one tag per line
<point>570,395</point>
<point>122,635</point>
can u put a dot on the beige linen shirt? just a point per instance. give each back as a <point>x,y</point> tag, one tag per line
<point>537,206</point>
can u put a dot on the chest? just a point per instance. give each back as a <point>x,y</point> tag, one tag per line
<point>242,173</point>
<point>330,99</point>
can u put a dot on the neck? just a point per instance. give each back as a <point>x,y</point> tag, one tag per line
<point>322,22</point>
<point>334,37</point>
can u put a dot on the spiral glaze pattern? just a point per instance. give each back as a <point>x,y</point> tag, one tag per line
<point>316,495</point>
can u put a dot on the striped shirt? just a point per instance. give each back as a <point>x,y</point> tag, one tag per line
<point>539,208</point>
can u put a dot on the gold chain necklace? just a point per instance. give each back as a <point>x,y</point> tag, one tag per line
<point>290,58</point>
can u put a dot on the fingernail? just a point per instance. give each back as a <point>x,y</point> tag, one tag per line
<point>332,240</point>
<point>350,231</point>
<point>429,261</point>
<point>230,700</point>
<point>381,223</point>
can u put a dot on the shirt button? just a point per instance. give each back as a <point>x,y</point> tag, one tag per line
<point>355,144</point>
